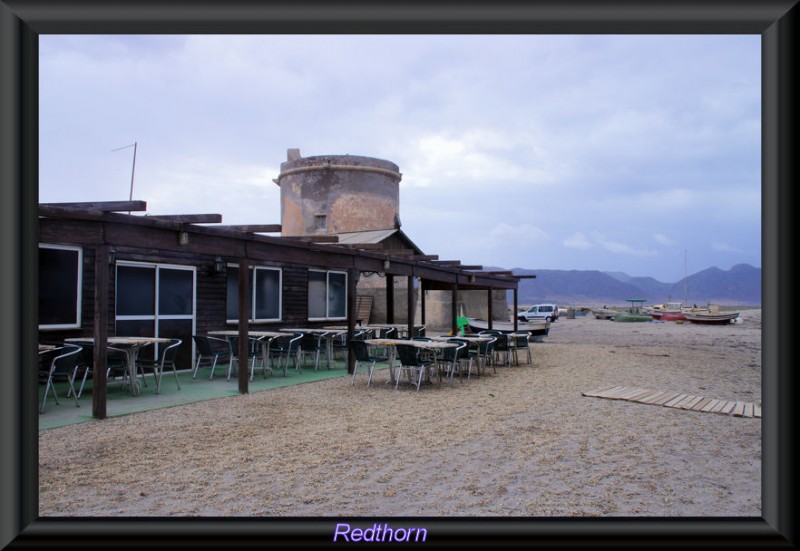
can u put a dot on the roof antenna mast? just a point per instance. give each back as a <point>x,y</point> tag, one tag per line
<point>133,168</point>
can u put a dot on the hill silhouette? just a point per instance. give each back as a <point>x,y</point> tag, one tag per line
<point>741,285</point>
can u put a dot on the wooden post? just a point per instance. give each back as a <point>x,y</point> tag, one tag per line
<point>244,318</point>
<point>515,310</point>
<point>389,298</point>
<point>489,317</point>
<point>453,308</point>
<point>410,305</point>
<point>99,382</point>
<point>352,282</point>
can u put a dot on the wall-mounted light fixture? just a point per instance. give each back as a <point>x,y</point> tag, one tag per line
<point>472,279</point>
<point>112,256</point>
<point>219,266</point>
<point>183,238</point>
<point>386,264</point>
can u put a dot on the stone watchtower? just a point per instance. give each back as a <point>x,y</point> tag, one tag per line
<point>333,194</point>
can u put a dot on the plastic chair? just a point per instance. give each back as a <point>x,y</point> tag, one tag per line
<point>414,366</point>
<point>521,342</point>
<point>310,344</point>
<point>166,358</point>
<point>208,349</point>
<point>62,368</point>
<point>283,349</point>
<point>253,354</point>
<point>361,352</point>
<point>484,354</point>
<point>116,364</point>
<point>450,360</point>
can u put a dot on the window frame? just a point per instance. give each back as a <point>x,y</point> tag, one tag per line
<point>328,316</point>
<point>156,315</point>
<point>79,289</point>
<point>253,293</point>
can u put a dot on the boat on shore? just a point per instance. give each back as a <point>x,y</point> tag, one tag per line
<point>669,311</point>
<point>633,313</point>
<point>537,328</point>
<point>604,313</point>
<point>711,316</point>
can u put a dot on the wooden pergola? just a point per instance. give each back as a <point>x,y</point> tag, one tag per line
<point>103,226</point>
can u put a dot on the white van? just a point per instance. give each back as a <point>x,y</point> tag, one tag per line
<point>548,312</point>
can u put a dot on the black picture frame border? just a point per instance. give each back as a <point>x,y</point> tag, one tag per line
<point>22,21</point>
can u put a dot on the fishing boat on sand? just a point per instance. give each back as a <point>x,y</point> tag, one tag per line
<point>633,313</point>
<point>604,313</point>
<point>669,311</point>
<point>711,316</point>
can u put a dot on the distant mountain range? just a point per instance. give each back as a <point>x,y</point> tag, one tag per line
<point>741,285</point>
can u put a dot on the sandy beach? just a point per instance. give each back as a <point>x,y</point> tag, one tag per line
<point>522,442</point>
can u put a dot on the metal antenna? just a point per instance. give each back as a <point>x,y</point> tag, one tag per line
<point>133,168</point>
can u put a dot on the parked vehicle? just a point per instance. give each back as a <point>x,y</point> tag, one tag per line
<point>547,312</point>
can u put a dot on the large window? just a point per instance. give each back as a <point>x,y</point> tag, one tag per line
<point>327,295</point>
<point>263,295</point>
<point>60,275</point>
<point>156,300</point>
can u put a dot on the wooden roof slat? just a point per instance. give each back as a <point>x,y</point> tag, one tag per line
<point>188,218</point>
<point>124,230</point>
<point>424,257</point>
<point>472,267</point>
<point>101,206</point>
<point>314,238</point>
<point>448,262</point>
<point>365,246</point>
<point>253,228</point>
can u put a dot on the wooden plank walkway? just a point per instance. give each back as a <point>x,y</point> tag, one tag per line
<point>677,400</point>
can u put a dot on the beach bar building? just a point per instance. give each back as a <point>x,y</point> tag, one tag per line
<point>104,271</point>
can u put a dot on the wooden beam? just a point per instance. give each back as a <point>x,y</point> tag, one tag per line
<point>472,267</point>
<point>253,228</point>
<point>424,257</point>
<point>102,206</point>
<point>352,302</point>
<point>389,298</point>
<point>398,252</point>
<point>363,246</point>
<point>244,328</point>
<point>100,332</point>
<point>447,262</point>
<point>188,218</point>
<point>410,305</point>
<point>314,238</point>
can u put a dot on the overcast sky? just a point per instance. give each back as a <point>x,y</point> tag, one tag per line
<point>612,153</point>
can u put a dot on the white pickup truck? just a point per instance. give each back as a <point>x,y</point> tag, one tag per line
<point>547,312</point>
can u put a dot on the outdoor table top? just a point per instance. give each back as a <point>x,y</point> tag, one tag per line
<point>477,338</point>
<point>122,340</point>
<point>398,326</point>
<point>418,344</point>
<point>317,330</point>
<point>235,333</point>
